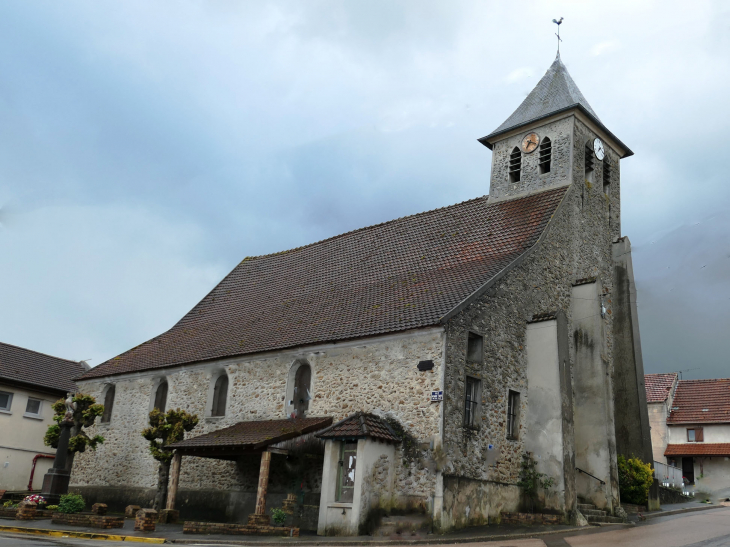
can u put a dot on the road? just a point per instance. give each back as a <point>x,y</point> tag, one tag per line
<point>700,529</point>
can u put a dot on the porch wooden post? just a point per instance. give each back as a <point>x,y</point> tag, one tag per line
<point>263,483</point>
<point>172,492</point>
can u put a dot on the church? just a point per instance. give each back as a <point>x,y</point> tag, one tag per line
<point>411,365</point>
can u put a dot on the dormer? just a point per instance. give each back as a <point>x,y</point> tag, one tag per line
<point>535,148</point>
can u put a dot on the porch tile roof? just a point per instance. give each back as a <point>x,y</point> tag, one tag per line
<point>701,402</point>
<point>255,435</point>
<point>360,425</point>
<point>698,449</point>
<point>658,386</point>
<point>403,274</point>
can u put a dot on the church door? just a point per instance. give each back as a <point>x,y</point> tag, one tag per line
<point>302,383</point>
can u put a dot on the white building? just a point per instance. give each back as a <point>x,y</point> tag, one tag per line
<point>698,434</point>
<point>30,382</point>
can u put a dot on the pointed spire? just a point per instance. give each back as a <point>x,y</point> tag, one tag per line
<point>555,92</point>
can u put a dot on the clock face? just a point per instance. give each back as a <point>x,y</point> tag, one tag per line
<point>529,143</point>
<point>598,149</point>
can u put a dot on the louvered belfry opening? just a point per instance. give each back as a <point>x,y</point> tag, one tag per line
<point>606,176</point>
<point>546,155</point>
<point>588,161</point>
<point>515,165</point>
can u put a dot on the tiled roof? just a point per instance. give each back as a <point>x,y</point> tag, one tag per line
<point>30,367</point>
<point>255,435</point>
<point>658,386</point>
<point>555,92</point>
<point>698,449</point>
<point>701,401</point>
<point>403,274</point>
<point>360,425</point>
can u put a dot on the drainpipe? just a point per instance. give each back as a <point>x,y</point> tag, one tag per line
<point>32,469</point>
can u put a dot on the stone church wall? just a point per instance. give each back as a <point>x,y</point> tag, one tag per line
<point>377,375</point>
<point>576,245</point>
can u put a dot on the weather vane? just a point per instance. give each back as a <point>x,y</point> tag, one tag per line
<point>558,22</point>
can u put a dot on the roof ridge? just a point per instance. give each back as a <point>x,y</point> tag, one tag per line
<point>40,353</point>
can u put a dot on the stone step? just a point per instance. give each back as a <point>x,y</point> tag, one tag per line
<point>594,512</point>
<point>586,507</point>
<point>405,525</point>
<point>593,519</point>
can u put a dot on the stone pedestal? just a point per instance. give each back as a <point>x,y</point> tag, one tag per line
<point>55,482</point>
<point>99,508</point>
<point>146,520</point>
<point>130,511</point>
<point>259,520</point>
<point>169,516</point>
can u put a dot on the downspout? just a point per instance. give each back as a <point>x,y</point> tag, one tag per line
<point>32,469</point>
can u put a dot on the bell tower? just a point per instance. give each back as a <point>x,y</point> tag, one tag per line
<point>554,138</point>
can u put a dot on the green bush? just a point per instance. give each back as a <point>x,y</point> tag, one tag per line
<point>634,480</point>
<point>52,507</point>
<point>278,516</point>
<point>9,503</point>
<point>71,503</point>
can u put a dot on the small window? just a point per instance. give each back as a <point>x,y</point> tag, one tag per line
<point>515,165</point>
<point>513,411</point>
<point>161,396</point>
<point>33,408</point>
<point>546,154</point>
<point>471,402</point>
<point>475,348</point>
<point>346,472</point>
<point>695,435</point>
<point>302,393</point>
<point>220,396</point>
<point>106,417</point>
<point>588,161</point>
<point>6,399</point>
<point>606,176</point>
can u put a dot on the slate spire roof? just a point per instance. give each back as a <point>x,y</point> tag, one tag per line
<point>403,274</point>
<point>555,92</point>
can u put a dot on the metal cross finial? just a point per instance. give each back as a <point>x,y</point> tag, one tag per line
<point>558,22</point>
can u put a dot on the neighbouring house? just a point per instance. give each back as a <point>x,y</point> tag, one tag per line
<point>698,434</point>
<point>660,389</point>
<point>408,364</point>
<point>30,382</point>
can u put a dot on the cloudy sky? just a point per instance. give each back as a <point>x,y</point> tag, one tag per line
<point>147,147</point>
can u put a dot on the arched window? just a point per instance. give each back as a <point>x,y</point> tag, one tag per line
<point>302,382</point>
<point>108,404</point>
<point>220,396</point>
<point>546,154</point>
<point>515,165</point>
<point>161,396</point>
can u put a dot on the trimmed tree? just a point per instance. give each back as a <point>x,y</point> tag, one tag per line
<point>166,429</point>
<point>84,416</point>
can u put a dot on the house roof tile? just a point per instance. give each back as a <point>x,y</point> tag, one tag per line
<point>701,401</point>
<point>31,367</point>
<point>400,275</point>
<point>698,449</point>
<point>658,386</point>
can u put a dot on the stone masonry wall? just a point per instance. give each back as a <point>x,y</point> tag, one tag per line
<point>560,134</point>
<point>577,245</point>
<point>376,375</point>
